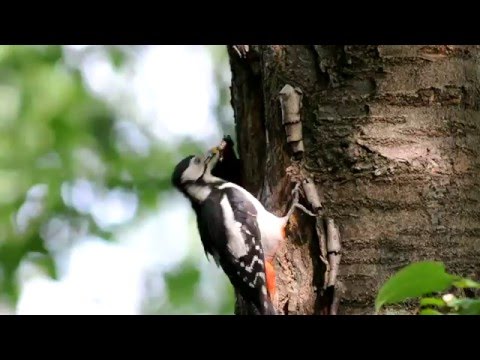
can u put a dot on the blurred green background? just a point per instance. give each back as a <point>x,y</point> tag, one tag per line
<point>89,135</point>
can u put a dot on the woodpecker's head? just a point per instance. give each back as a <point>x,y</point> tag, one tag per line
<point>195,169</point>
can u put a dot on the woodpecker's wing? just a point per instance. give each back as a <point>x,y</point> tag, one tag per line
<point>237,244</point>
<point>208,214</point>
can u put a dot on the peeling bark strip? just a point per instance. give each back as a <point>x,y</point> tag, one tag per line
<point>322,240</point>
<point>333,249</point>
<point>311,194</point>
<point>392,143</point>
<point>334,257</point>
<point>291,102</point>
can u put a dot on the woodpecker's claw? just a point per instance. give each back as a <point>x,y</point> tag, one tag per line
<point>305,210</point>
<point>296,190</point>
<point>296,195</point>
<point>296,203</point>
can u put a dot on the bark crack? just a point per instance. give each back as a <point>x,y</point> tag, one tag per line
<point>393,154</point>
<point>328,235</point>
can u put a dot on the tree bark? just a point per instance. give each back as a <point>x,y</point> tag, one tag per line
<point>391,137</point>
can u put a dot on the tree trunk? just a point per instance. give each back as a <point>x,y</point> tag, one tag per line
<point>391,137</point>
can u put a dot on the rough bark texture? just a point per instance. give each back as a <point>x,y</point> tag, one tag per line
<point>392,140</point>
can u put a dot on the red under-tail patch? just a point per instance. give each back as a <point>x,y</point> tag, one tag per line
<point>271,281</point>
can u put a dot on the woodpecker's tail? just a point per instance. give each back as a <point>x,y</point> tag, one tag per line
<point>264,303</point>
<point>262,306</point>
<point>269,309</point>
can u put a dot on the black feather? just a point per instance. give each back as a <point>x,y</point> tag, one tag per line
<point>178,171</point>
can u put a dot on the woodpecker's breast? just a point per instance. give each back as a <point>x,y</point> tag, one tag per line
<point>271,228</point>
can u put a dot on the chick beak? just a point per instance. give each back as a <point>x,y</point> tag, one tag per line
<point>220,149</point>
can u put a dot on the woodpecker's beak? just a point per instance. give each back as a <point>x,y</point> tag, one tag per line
<point>211,154</point>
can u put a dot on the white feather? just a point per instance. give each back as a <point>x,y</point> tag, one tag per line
<point>193,172</point>
<point>270,225</point>
<point>236,242</point>
<point>198,192</point>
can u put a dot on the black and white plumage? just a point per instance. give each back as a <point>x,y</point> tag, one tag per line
<point>234,227</point>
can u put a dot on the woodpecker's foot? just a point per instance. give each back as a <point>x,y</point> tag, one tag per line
<point>305,210</point>
<point>295,194</point>
<point>296,191</point>
<point>296,204</point>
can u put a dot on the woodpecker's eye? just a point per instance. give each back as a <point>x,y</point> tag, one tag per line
<point>196,160</point>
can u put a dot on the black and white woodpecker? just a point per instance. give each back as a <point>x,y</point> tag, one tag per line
<point>235,228</point>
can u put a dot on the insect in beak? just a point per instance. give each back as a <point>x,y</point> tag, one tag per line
<point>214,151</point>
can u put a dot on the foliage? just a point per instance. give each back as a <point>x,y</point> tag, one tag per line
<point>57,136</point>
<point>425,280</point>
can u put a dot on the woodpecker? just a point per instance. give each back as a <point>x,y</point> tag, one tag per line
<point>235,229</point>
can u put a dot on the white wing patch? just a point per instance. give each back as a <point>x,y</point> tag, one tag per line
<point>236,242</point>
<point>270,225</point>
<point>244,242</point>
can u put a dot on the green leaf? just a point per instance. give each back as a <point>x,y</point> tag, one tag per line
<point>414,280</point>
<point>54,132</point>
<point>430,312</point>
<point>431,302</point>
<point>468,306</point>
<point>466,283</point>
